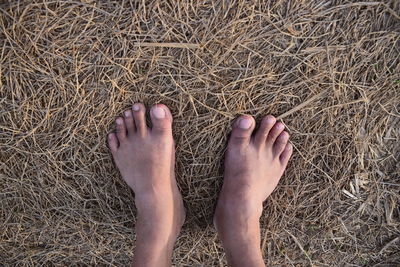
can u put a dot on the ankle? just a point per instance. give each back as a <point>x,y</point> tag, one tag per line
<point>237,219</point>
<point>240,236</point>
<point>150,201</point>
<point>156,230</point>
<point>152,245</point>
<point>161,213</point>
<point>239,205</point>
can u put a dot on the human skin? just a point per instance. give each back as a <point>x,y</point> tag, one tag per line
<point>146,159</point>
<point>145,156</point>
<point>253,166</point>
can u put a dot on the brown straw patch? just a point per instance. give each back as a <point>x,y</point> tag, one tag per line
<point>329,69</point>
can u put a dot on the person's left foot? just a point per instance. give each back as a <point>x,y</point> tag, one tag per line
<point>146,158</point>
<point>253,166</point>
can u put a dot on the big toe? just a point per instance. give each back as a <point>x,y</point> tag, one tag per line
<point>242,129</point>
<point>161,119</point>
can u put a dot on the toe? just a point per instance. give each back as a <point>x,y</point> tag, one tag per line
<point>242,129</point>
<point>139,115</point>
<point>120,128</point>
<point>161,119</point>
<point>280,143</point>
<point>274,133</point>
<point>262,133</point>
<point>285,156</point>
<point>129,123</point>
<point>112,142</point>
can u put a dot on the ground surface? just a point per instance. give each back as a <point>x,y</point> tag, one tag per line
<point>329,69</point>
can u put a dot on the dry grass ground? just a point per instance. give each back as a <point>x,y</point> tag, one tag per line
<point>329,69</point>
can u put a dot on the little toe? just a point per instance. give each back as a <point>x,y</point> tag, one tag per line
<point>242,129</point>
<point>139,115</point>
<point>120,128</point>
<point>129,123</point>
<point>274,133</point>
<point>286,154</point>
<point>262,133</point>
<point>280,143</point>
<point>161,119</point>
<point>112,142</point>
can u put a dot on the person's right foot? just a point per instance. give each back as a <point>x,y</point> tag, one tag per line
<point>253,167</point>
<point>146,157</point>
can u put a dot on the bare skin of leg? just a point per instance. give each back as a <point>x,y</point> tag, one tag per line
<point>253,166</point>
<point>146,158</point>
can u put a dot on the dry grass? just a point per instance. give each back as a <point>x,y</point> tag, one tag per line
<point>69,67</point>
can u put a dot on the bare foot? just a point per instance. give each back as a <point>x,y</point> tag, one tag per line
<point>253,167</point>
<point>146,158</point>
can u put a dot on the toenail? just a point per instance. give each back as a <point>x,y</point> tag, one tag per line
<point>127,113</point>
<point>270,120</point>
<point>245,123</point>
<point>285,136</point>
<point>136,107</point>
<point>119,121</point>
<point>280,126</point>
<point>158,112</point>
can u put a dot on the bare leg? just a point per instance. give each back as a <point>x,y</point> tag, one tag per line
<point>253,167</point>
<point>146,158</point>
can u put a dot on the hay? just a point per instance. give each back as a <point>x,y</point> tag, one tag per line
<point>329,69</point>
